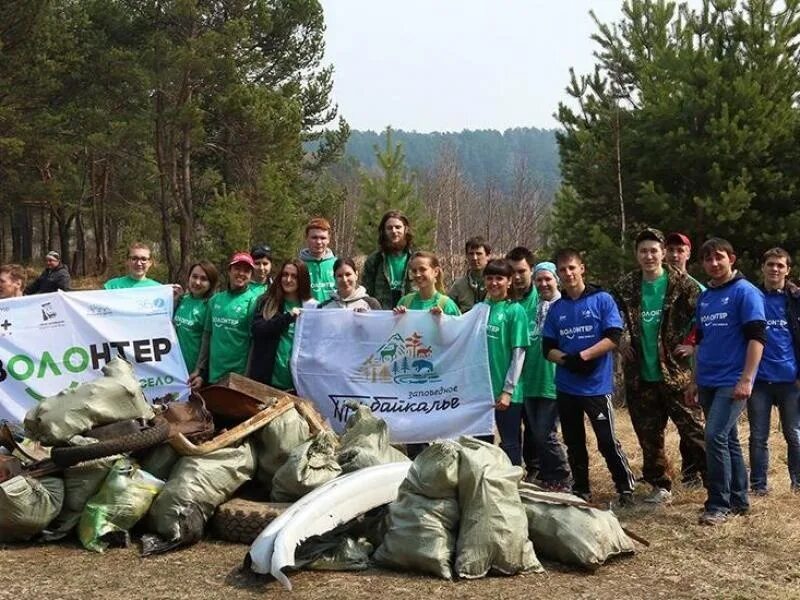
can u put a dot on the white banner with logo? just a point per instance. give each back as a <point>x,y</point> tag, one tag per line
<point>426,376</point>
<point>50,342</point>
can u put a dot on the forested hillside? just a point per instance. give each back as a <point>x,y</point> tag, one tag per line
<point>486,156</point>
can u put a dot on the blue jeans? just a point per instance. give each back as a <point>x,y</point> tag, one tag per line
<point>542,414</point>
<point>786,397</point>
<point>726,471</point>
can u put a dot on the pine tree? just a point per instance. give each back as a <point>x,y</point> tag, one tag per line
<point>701,105</point>
<point>392,188</point>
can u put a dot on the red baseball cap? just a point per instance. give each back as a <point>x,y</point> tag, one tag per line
<point>242,257</point>
<point>678,239</point>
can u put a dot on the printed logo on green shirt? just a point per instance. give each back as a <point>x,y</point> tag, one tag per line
<point>400,360</point>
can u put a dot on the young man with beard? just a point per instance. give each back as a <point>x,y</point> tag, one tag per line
<point>385,272</point>
<point>658,305</point>
<point>581,330</point>
<point>12,281</point>
<point>776,381</point>
<point>54,277</point>
<point>468,290</point>
<point>319,258</point>
<point>139,262</point>
<point>731,337</point>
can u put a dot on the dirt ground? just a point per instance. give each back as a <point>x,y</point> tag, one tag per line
<point>754,556</point>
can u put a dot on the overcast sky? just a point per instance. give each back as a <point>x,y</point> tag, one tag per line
<point>448,65</point>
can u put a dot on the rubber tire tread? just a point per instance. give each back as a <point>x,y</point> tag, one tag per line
<point>68,456</point>
<point>241,522</point>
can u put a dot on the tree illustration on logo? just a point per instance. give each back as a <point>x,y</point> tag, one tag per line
<point>405,364</point>
<point>413,342</point>
<point>395,368</point>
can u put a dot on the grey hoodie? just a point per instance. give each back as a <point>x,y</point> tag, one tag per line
<point>358,300</point>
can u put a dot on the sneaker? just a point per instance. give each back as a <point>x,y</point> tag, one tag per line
<point>760,492</point>
<point>713,517</point>
<point>740,510</point>
<point>625,500</point>
<point>659,496</point>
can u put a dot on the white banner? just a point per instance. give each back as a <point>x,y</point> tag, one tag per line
<point>49,342</point>
<point>426,376</point>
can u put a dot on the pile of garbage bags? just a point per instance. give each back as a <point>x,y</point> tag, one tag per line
<point>461,510</point>
<point>169,498</point>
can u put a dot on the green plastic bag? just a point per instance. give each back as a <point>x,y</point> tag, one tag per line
<point>196,486</point>
<point>574,535</point>
<point>276,440</point>
<point>115,396</point>
<point>493,533</point>
<point>365,442</point>
<point>122,500</point>
<point>81,482</point>
<point>27,505</point>
<point>309,466</point>
<point>422,522</point>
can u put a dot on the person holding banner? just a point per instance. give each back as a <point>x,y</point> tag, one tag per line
<point>427,275</point>
<point>139,263</point>
<point>226,334</point>
<point>507,333</point>
<point>12,281</point>
<point>385,274</point>
<point>191,309</point>
<point>273,325</point>
<point>348,293</point>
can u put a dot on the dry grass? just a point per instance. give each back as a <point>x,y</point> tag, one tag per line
<point>756,556</point>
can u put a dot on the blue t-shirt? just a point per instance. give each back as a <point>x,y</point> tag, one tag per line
<point>577,325</point>
<point>721,315</point>
<point>778,363</point>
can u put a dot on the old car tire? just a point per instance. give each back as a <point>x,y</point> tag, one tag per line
<point>67,456</point>
<point>241,520</point>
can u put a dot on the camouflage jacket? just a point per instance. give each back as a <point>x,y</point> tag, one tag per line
<point>677,315</point>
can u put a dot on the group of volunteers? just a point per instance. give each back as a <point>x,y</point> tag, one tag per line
<point>693,354</point>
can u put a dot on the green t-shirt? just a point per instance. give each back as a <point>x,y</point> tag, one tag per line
<point>507,329</point>
<point>652,305</point>
<point>258,288</point>
<point>323,282</point>
<point>229,318</point>
<point>282,372</point>
<point>538,374</point>
<point>189,321</point>
<point>126,281</point>
<point>413,301</point>
<point>396,268</point>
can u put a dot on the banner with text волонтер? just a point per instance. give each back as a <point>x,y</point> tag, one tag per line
<point>427,376</point>
<point>49,342</point>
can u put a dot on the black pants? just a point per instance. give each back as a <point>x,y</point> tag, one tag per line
<point>571,409</point>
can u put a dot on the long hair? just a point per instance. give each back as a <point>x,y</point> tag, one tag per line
<point>275,295</point>
<point>211,272</point>
<point>433,260</point>
<point>383,242</point>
